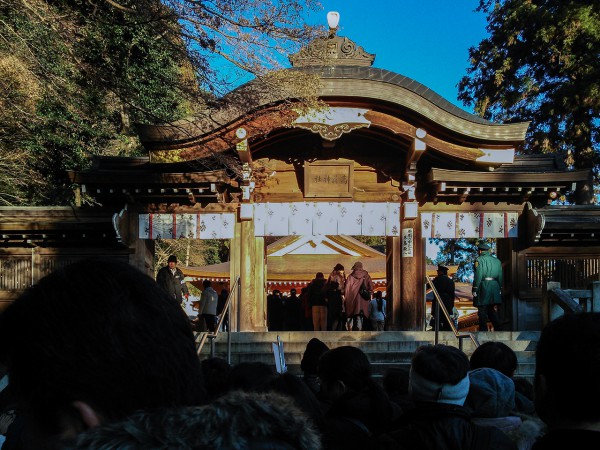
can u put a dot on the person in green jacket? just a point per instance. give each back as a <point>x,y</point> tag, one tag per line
<point>487,287</point>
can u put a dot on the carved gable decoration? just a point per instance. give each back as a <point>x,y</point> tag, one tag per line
<point>332,51</point>
<point>333,122</point>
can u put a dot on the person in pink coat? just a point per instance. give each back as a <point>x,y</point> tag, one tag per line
<point>356,306</point>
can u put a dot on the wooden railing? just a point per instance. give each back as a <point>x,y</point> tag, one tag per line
<point>202,336</point>
<point>559,301</point>
<point>439,306</point>
<point>572,273</point>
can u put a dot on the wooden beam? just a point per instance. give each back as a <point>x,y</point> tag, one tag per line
<point>242,147</point>
<point>415,152</point>
<point>503,178</point>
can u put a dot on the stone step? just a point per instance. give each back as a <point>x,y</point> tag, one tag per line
<point>296,357</point>
<point>384,349</point>
<point>518,340</point>
<point>299,347</point>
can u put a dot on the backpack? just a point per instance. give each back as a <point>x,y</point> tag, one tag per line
<point>364,292</point>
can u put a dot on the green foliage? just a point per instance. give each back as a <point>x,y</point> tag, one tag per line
<point>215,251</point>
<point>459,252</point>
<point>191,252</point>
<point>541,63</point>
<point>95,71</point>
<point>76,74</point>
<point>376,242</point>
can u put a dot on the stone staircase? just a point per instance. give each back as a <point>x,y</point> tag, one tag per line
<point>384,349</point>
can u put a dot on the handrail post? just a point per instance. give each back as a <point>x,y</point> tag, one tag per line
<point>239,301</point>
<point>213,336</point>
<point>229,336</point>
<point>436,338</point>
<point>440,306</point>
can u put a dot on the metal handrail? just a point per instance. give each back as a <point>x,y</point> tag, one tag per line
<point>204,335</point>
<point>440,305</point>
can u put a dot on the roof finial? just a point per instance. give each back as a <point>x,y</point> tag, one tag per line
<point>333,19</point>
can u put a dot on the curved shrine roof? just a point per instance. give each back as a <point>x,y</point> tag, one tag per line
<point>346,77</point>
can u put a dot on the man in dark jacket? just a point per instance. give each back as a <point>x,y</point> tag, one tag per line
<point>293,314</point>
<point>170,278</point>
<point>487,287</point>
<point>446,290</point>
<point>318,302</point>
<point>439,384</point>
<point>275,307</point>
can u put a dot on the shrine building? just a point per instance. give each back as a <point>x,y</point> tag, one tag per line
<point>382,156</point>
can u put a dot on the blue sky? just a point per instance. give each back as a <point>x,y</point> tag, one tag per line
<point>427,40</point>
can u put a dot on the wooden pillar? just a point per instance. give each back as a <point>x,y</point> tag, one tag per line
<point>234,272</point>
<point>412,310</point>
<point>506,252</point>
<point>252,304</point>
<point>394,281</point>
<point>260,284</point>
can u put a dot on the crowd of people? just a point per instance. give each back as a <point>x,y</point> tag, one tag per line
<point>100,357</point>
<point>335,303</point>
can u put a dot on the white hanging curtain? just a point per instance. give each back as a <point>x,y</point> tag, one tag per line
<point>469,225</point>
<point>327,218</point>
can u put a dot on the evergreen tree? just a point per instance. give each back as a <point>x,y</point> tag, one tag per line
<point>541,63</point>
<point>459,252</point>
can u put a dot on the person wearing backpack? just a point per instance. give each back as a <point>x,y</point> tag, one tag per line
<point>358,288</point>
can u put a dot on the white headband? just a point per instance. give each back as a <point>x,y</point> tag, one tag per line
<point>424,390</point>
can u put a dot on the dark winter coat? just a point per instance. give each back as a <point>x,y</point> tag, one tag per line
<point>446,289</point>
<point>275,307</point>
<point>335,303</point>
<point>316,292</point>
<point>293,313</point>
<point>172,283</point>
<point>438,426</point>
<point>355,420</point>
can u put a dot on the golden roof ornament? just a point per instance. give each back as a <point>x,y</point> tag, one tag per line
<point>332,50</point>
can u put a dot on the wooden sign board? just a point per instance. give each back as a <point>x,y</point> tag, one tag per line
<point>328,179</point>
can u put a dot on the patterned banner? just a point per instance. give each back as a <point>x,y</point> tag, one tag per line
<point>192,226</point>
<point>469,225</point>
<point>300,220</point>
<point>350,219</point>
<point>312,218</point>
<point>334,218</point>
<point>325,218</point>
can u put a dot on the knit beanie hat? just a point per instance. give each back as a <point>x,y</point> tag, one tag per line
<point>423,390</point>
<point>492,394</point>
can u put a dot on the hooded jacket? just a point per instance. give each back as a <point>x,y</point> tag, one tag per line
<point>354,302</point>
